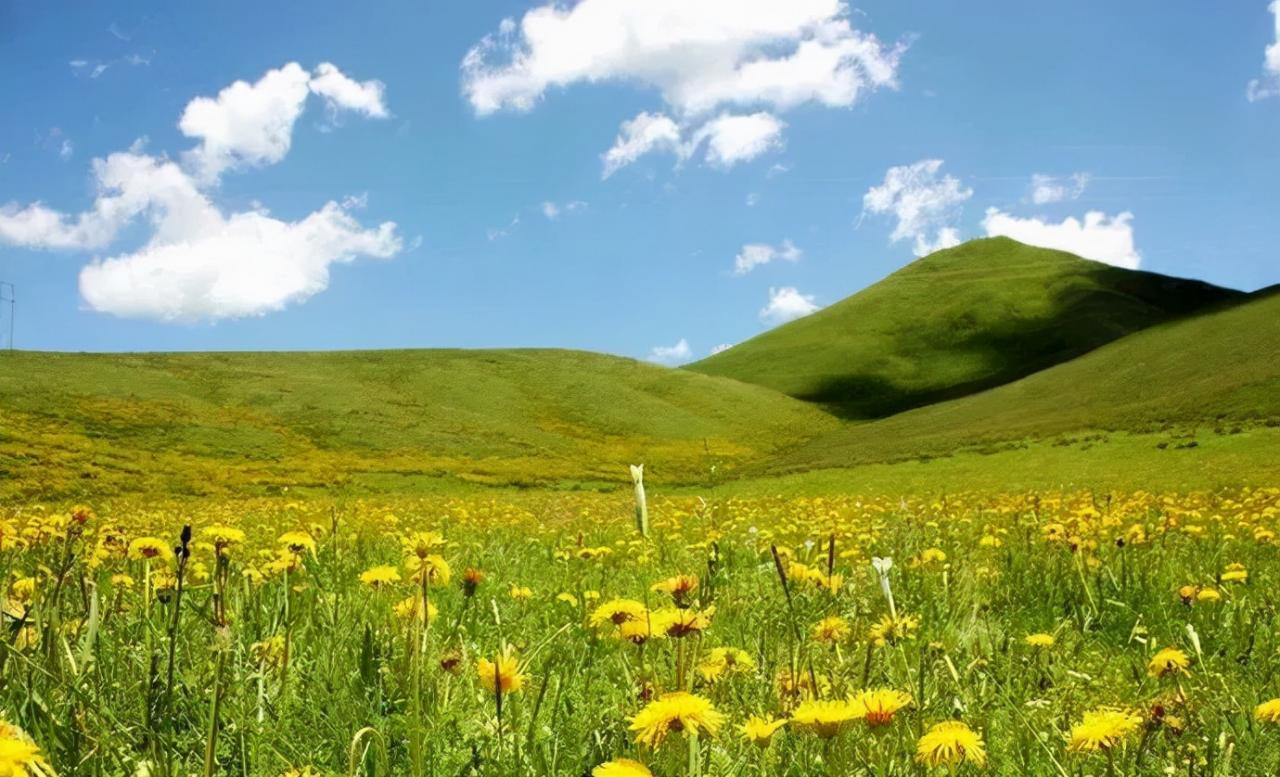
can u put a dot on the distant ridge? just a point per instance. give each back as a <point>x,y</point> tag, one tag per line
<point>956,322</point>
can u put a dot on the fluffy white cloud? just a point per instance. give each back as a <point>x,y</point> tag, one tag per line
<point>553,210</point>
<point>1269,84</point>
<point>252,124</point>
<point>233,266</point>
<point>1046,188</point>
<point>1100,237</point>
<point>721,348</point>
<point>200,263</point>
<point>753,255</point>
<point>645,133</point>
<point>341,92</point>
<point>787,304</point>
<point>700,56</point>
<point>733,139</point>
<point>672,354</point>
<point>922,201</point>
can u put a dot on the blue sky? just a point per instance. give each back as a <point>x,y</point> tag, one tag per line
<point>391,188</point>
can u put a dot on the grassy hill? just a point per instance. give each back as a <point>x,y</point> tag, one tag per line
<point>1177,385</point>
<point>956,322</point>
<point>198,423</point>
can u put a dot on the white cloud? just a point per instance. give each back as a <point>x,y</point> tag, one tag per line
<point>1046,188</point>
<point>733,139</point>
<point>698,55</point>
<point>672,354</point>
<point>245,264</point>
<point>252,124</point>
<point>701,57</point>
<point>753,199</point>
<point>341,92</point>
<point>721,348</point>
<point>200,263</point>
<point>553,210</point>
<point>66,149</point>
<point>921,201</point>
<point>645,133</point>
<point>787,304</point>
<point>1103,238</point>
<point>1269,84</point>
<point>753,255</point>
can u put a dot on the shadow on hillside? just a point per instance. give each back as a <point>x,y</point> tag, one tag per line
<point>1083,318</point>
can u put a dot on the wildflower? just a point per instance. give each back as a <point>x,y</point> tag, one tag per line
<point>149,549</point>
<point>567,598</point>
<point>639,631</point>
<point>621,767</point>
<point>434,567</point>
<point>1039,640</point>
<point>122,581</point>
<point>725,660</point>
<point>521,593</point>
<point>831,629</point>
<point>1235,573</point>
<point>931,556</point>
<point>949,744</point>
<point>269,652</point>
<point>379,576</point>
<point>1102,729</point>
<point>471,580</point>
<point>297,542</point>
<point>1187,594</point>
<point>502,675</point>
<point>222,537</point>
<point>826,718</point>
<point>1206,595</point>
<point>759,731</point>
<point>677,712</point>
<point>891,629</point>
<point>799,686</point>
<point>1268,711</point>
<point>681,623</point>
<point>1168,661</point>
<point>421,543</point>
<point>879,706</point>
<point>19,756</point>
<point>618,612</point>
<point>678,587</point>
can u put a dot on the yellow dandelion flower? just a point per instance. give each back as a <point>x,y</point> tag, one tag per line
<point>1039,640</point>
<point>621,767</point>
<point>1102,729</point>
<point>521,593</point>
<point>759,731</point>
<point>678,587</point>
<point>421,544</point>
<point>433,566</point>
<point>380,576</point>
<point>411,607</point>
<point>1169,661</point>
<point>889,630</point>
<point>1268,711</point>
<point>150,549</point>
<point>949,744</point>
<point>618,612</point>
<point>723,661</point>
<point>826,718</point>
<point>879,706</point>
<point>831,629</point>
<point>1207,595</point>
<point>19,756</point>
<point>297,542</point>
<point>501,675</point>
<point>1235,573</point>
<point>222,537</point>
<point>675,713</point>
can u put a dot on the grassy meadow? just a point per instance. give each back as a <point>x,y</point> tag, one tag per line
<point>1037,634</point>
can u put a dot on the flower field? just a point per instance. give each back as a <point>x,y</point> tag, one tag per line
<point>1048,634</point>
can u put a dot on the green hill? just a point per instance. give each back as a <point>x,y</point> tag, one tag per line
<point>956,322</point>
<point>204,422</point>
<point>1215,374</point>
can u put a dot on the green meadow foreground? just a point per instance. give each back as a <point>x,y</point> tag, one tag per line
<point>1030,531</point>
<point>1030,634</point>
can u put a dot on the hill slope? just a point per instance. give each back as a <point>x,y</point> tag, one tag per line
<point>197,423</point>
<point>956,322</point>
<point>1219,371</point>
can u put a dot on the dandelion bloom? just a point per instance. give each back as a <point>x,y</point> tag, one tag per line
<point>759,731</point>
<point>1169,661</point>
<point>890,629</point>
<point>379,576</point>
<point>725,660</point>
<point>501,675</point>
<point>1102,729</point>
<point>831,629</point>
<point>222,536</point>
<point>421,543</point>
<point>679,623</point>
<point>1039,640</point>
<point>949,744</point>
<point>1268,711</point>
<point>433,566</point>
<point>297,542</point>
<point>675,713</point>
<point>410,607</point>
<point>618,612</point>
<point>621,767</point>
<point>826,718</point>
<point>150,548</point>
<point>677,587</point>
<point>521,593</point>
<point>1235,573</point>
<point>19,756</point>
<point>879,706</point>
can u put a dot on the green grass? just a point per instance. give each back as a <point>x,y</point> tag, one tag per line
<point>1218,373</point>
<point>381,421</point>
<point>953,323</point>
